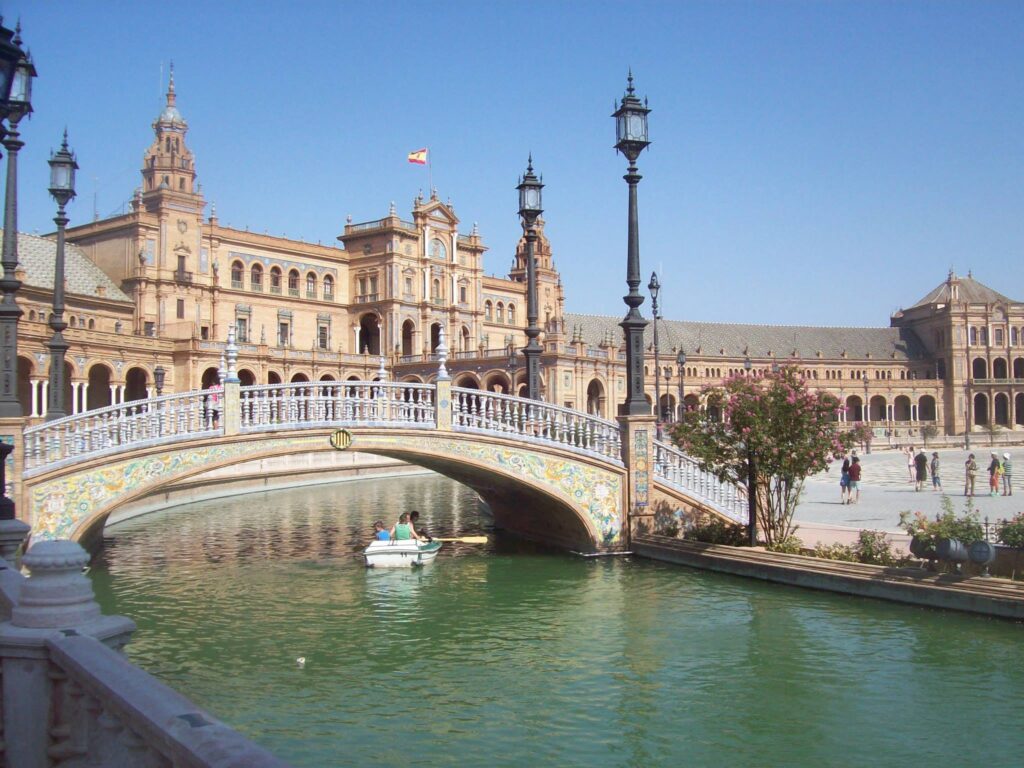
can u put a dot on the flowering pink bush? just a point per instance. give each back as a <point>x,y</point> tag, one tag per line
<point>789,431</point>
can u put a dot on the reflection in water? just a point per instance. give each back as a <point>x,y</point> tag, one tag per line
<point>508,655</point>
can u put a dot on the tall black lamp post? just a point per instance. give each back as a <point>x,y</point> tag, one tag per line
<point>681,363</point>
<point>655,288</point>
<point>159,374</point>
<point>16,73</point>
<point>751,484</point>
<point>631,140</point>
<point>530,209</point>
<point>62,187</point>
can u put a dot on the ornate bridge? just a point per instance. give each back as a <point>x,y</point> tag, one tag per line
<point>546,472</point>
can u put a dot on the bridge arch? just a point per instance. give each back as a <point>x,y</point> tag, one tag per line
<point>467,379</point>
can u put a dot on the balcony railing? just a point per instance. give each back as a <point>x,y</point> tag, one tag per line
<point>367,298</point>
<point>181,276</point>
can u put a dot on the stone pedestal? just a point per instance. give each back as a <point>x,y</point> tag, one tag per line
<point>638,436</point>
<point>56,600</point>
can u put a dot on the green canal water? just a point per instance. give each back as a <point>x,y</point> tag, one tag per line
<point>503,655</point>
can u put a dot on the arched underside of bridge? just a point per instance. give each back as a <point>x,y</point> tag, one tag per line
<point>535,491</point>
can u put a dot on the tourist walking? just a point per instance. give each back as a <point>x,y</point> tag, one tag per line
<point>936,482</point>
<point>970,473</point>
<point>1007,475</point>
<point>854,484</point>
<point>994,468</point>
<point>920,470</point>
<point>909,452</point>
<point>844,481</point>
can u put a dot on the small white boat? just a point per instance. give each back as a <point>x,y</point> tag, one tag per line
<point>400,554</point>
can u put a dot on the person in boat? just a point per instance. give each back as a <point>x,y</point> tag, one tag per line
<point>380,533</point>
<point>414,519</point>
<point>404,530</point>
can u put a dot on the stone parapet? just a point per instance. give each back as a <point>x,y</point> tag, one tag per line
<point>999,598</point>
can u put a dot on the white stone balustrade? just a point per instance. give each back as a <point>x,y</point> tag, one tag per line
<point>675,468</point>
<point>70,699</point>
<point>201,414</point>
<point>536,421</point>
<point>135,424</point>
<point>337,403</point>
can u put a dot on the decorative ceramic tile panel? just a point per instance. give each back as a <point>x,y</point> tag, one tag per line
<point>61,506</point>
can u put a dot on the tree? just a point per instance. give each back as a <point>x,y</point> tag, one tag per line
<point>787,431</point>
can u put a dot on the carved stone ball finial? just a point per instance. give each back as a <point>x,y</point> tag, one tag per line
<point>57,594</point>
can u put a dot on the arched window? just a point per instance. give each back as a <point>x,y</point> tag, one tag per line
<point>328,288</point>
<point>501,313</point>
<point>973,336</point>
<point>435,290</point>
<point>293,282</point>
<point>256,277</point>
<point>236,274</point>
<point>488,311</point>
<point>511,314</point>
<point>74,321</point>
<point>275,280</point>
<point>310,286</point>
<point>92,324</point>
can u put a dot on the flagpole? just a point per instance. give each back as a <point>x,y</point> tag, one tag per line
<point>430,171</point>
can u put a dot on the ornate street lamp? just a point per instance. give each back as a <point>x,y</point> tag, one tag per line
<point>530,210</point>
<point>681,363</point>
<point>631,140</point>
<point>16,73</point>
<point>62,188</point>
<point>159,376</point>
<point>751,483</point>
<point>655,288</point>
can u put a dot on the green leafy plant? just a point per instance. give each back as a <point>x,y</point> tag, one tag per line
<point>946,525</point>
<point>1011,532</point>
<point>874,547</point>
<point>712,529</point>
<point>843,552</point>
<point>790,545</point>
<point>775,422</point>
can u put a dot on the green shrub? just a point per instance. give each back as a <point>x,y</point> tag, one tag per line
<point>842,552</point>
<point>712,529</point>
<point>790,545</point>
<point>945,526</point>
<point>1011,532</point>
<point>875,548</point>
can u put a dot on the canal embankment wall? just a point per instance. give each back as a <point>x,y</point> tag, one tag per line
<point>268,474</point>
<point>988,596</point>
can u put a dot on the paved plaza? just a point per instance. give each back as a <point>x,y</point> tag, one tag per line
<point>886,490</point>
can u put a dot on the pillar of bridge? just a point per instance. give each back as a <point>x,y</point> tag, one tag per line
<point>443,404</point>
<point>12,530</point>
<point>638,435</point>
<point>231,411</point>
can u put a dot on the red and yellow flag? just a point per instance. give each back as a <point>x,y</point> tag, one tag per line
<point>419,157</point>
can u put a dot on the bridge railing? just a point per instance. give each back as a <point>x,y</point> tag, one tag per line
<point>534,420</point>
<point>675,468</point>
<point>355,403</point>
<point>135,424</point>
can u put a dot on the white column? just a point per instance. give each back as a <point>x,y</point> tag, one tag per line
<point>74,397</point>
<point>85,396</point>
<point>113,394</point>
<point>46,397</point>
<point>150,392</point>
<point>120,392</point>
<point>34,389</point>
<point>357,329</point>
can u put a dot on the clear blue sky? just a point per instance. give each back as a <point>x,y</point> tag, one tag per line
<point>817,163</point>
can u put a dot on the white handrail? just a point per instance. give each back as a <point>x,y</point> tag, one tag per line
<point>675,468</point>
<point>342,403</point>
<point>137,423</point>
<point>536,421</point>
